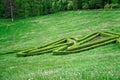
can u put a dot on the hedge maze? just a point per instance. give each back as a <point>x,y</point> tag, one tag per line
<point>74,45</point>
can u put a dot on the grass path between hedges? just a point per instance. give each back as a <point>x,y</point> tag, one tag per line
<point>102,63</point>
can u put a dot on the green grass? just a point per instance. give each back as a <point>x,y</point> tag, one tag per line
<point>102,63</point>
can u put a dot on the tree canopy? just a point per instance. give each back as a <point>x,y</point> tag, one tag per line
<point>27,8</point>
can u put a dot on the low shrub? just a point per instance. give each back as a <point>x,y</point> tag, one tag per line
<point>85,37</point>
<point>20,54</point>
<point>68,46</point>
<point>70,5</point>
<point>97,45</point>
<point>70,41</point>
<point>54,43</point>
<point>47,48</point>
<point>84,49</point>
<point>89,38</point>
<point>62,48</point>
<point>92,43</point>
<point>106,34</point>
<point>118,41</point>
<point>114,33</point>
<point>85,6</point>
<point>107,6</point>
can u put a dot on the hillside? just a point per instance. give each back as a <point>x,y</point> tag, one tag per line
<point>100,63</point>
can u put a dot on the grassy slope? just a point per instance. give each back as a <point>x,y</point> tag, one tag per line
<point>99,63</point>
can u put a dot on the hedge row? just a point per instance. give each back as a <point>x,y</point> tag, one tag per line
<point>83,38</point>
<point>114,33</point>
<point>47,48</point>
<point>89,38</point>
<point>42,48</point>
<point>73,45</point>
<point>83,49</point>
<point>109,34</point>
<point>118,41</point>
<point>78,48</point>
<point>54,43</point>
<point>91,43</point>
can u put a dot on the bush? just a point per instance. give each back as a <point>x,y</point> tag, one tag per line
<point>90,38</point>
<point>107,6</point>
<point>85,37</point>
<point>85,6</point>
<point>70,5</point>
<point>54,7</point>
<point>115,6</point>
<point>95,4</point>
<point>84,48</point>
<point>113,33</point>
<point>106,34</point>
<point>67,46</point>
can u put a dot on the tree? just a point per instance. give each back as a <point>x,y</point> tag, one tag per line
<point>1,9</point>
<point>75,4</point>
<point>55,7</point>
<point>11,10</point>
<point>79,4</point>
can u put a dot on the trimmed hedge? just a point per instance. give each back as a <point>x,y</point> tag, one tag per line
<point>83,49</point>
<point>89,38</point>
<point>118,41</point>
<point>70,42</point>
<point>83,38</point>
<point>73,45</point>
<point>92,43</point>
<point>54,42</point>
<point>113,33</point>
<point>48,48</point>
<point>62,48</point>
<point>107,34</point>
<point>104,34</point>
<point>23,54</point>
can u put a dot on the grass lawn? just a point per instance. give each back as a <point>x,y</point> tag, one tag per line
<point>102,63</point>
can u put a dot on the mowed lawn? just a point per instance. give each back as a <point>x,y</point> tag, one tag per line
<point>101,63</point>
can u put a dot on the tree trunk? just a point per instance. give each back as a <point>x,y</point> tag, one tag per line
<point>11,11</point>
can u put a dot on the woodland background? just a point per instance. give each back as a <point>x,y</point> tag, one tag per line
<point>28,8</point>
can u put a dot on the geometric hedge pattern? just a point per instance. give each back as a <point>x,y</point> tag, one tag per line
<point>74,45</point>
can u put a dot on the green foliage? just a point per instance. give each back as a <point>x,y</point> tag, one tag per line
<point>89,38</point>
<point>55,6</point>
<point>1,9</point>
<point>92,43</point>
<point>70,5</point>
<point>115,1</point>
<point>77,48</point>
<point>27,8</point>
<point>70,45</point>
<point>95,4</point>
<point>107,34</point>
<point>112,33</point>
<point>85,6</point>
<point>115,6</point>
<point>118,41</point>
<point>107,6</point>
